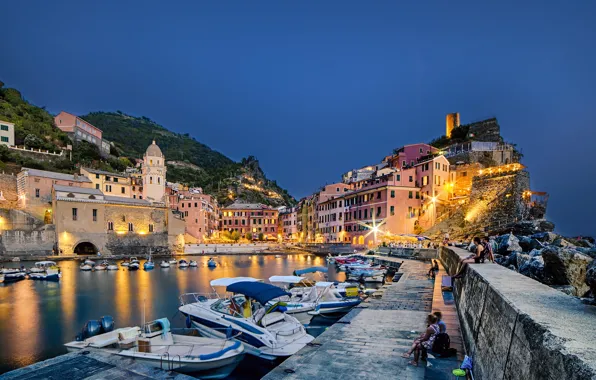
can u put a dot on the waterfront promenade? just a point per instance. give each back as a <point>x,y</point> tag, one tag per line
<point>369,341</point>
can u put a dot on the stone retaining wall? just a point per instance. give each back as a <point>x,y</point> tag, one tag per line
<point>517,328</point>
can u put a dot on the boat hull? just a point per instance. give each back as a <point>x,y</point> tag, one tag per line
<point>44,277</point>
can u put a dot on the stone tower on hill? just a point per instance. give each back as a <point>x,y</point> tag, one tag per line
<point>452,122</point>
<point>154,174</point>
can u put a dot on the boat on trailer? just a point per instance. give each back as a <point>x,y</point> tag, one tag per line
<point>154,344</point>
<point>265,330</point>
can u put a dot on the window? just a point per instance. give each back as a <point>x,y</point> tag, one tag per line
<point>95,215</point>
<point>392,210</point>
<point>378,195</point>
<point>392,193</point>
<point>134,196</point>
<point>195,204</point>
<point>36,193</point>
<point>108,178</point>
<point>398,177</point>
<point>97,186</point>
<point>158,180</point>
<point>74,214</point>
<point>97,176</point>
<point>130,227</point>
<point>183,206</point>
<point>4,127</point>
<point>464,174</point>
<point>420,150</point>
<point>404,163</point>
<point>417,195</point>
<point>110,226</point>
<point>235,222</point>
<point>122,190</point>
<point>4,139</point>
<point>185,213</point>
<point>109,188</point>
<point>378,211</point>
<point>150,180</point>
<point>151,228</point>
<point>337,189</point>
<point>411,179</point>
<point>115,179</point>
<point>365,211</point>
<point>410,194</point>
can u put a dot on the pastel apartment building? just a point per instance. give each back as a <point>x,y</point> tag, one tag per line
<point>115,184</point>
<point>78,129</point>
<point>288,223</point>
<point>6,133</point>
<point>255,218</point>
<point>34,189</point>
<point>198,210</point>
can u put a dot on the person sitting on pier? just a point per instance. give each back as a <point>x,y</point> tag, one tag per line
<point>425,340</point>
<point>434,269</point>
<point>477,258</point>
<point>488,247</point>
<point>440,322</point>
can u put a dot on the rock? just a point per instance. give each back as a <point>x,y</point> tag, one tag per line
<point>564,266</point>
<point>591,277</point>
<point>536,252</point>
<point>512,268</point>
<point>500,258</point>
<point>536,268</point>
<point>567,289</point>
<point>527,243</point>
<point>523,263</point>
<point>507,244</point>
<point>545,225</point>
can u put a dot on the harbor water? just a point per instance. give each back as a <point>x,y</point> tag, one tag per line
<point>38,317</point>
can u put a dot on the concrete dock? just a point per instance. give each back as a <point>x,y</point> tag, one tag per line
<point>91,364</point>
<point>369,341</point>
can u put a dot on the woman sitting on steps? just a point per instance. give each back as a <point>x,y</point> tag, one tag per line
<point>425,340</point>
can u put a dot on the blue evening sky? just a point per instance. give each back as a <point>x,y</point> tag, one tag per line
<point>315,88</point>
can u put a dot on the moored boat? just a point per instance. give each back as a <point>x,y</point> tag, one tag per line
<point>154,344</point>
<point>12,277</point>
<point>211,263</point>
<point>51,271</point>
<point>148,265</point>
<point>86,267</point>
<point>182,264</point>
<point>266,331</point>
<point>193,264</point>
<point>134,266</point>
<point>164,264</point>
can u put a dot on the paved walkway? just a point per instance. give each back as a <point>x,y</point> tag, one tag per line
<point>368,342</point>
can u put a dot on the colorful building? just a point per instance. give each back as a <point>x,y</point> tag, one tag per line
<point>78,129</point>
<point>199,211</point>
<point>254,218</point>
<point>6,133</point>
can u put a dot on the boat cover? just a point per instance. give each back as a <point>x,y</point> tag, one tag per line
<point>259,291</point>
<point>299,272</point>
<point>226,281</point>
<point>286,279</point>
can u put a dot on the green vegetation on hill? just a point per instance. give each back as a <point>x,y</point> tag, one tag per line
<point>189,161</point>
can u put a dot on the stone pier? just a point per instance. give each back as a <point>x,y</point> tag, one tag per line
<point>369,341</point>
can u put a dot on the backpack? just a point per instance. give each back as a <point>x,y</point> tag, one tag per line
<point>441,344</point>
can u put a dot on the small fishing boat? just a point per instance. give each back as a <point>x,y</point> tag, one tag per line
<point>149,264</point>
<point>134,266</point>
<point>16,259</point>
<point>51,272</point>
<point>101,266</point>
<point>164,264</point>
<point>111,266</point>
<point>10,270</point>
<point>133,259</point>
<point>125,263</point>
<point>193,264</point>
<point>12,277</point>
<point>86,267</point>
<point>182,264</point>
<point>154,344</point>
<point>211,263</point>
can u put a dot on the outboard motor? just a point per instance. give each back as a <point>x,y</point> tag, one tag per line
<point>107,323</point>
<point>95,327</point>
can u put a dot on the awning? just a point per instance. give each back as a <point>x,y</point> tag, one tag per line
<point>232,280</point>
<point>259,291</point>
<point>299,272</point>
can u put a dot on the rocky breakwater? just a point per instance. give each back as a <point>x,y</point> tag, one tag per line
<point>564,264</point>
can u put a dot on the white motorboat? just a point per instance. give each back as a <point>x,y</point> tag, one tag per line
<point>156,346</point>
<point>182,264</point>
<point>173,261</point>
<point>12,277</point>
<point>164,264</point>
<point>86,267</point>
<point>193,264</point>
<point>50,272</point>
<point>301,302</point>
<point>111,266</point>
<point>100,266</point>
<point>267,332</point>
<point>134,266</point>
<point>331,301</point>
<point>10,270</point>
<point>89,262</point>
<point>16,259</point>
<point>125,263</point>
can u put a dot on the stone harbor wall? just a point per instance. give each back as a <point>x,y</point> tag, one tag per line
<point>28,242</point>
<point>517,328</point>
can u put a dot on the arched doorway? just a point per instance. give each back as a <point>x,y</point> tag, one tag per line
<point>85,248</point>
<point>355,240</point>
<point>361,240</point>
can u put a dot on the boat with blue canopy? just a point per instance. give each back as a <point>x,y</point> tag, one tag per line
<point>300,272</point>
<point>265,329</point>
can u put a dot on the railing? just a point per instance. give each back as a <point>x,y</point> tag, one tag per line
<point>188,298</point>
